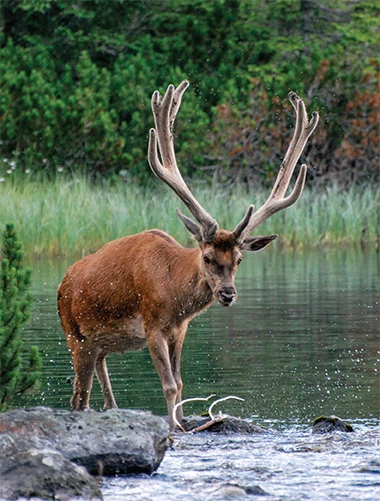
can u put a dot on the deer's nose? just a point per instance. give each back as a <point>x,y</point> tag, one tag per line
<point>227,296</point>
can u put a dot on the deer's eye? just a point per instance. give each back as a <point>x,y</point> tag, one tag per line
<point>239,261</point>
<point>206,259</point>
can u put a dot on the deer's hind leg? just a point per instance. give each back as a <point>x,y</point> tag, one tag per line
<point>84,357</point>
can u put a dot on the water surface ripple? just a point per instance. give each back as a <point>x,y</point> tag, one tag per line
<point>289,463</point>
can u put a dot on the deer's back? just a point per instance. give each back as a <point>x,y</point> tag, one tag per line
<point>126,282</point>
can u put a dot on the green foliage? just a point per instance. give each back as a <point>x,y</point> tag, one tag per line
<point>19,371</point>
<point>77,77</point>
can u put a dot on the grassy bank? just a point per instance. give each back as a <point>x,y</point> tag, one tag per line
<point>71,217</point>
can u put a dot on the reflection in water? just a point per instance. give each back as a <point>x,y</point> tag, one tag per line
<point>301,341</point>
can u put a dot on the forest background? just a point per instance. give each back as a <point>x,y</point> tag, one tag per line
<point>77,77</point>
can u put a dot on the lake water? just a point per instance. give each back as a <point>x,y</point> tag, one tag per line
<point>301,341</point>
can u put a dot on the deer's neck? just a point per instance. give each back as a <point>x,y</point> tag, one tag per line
<point>195,294</point>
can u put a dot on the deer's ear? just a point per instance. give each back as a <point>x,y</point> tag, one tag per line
<point>256,243</point>
<point>192,227</point>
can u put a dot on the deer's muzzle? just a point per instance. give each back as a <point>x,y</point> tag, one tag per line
<point>227,296</point>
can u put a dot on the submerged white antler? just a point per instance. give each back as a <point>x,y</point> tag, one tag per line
<point>221,400</point>
<point>213,419</point>
<point>179,404</point>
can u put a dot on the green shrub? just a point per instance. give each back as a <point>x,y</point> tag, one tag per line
<point>19,371</point>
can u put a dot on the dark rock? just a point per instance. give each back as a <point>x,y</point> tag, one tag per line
<point>228,425</point>
<point>43,451</point>
<point>372,466</point>
<point>328,424</point>
<point>255,490</point>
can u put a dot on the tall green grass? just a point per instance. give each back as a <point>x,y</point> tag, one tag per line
<point>72,217</point>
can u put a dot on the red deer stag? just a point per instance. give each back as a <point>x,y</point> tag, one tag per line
<point>144,289</point>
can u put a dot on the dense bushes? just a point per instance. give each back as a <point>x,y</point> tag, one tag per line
<point>77,79</point>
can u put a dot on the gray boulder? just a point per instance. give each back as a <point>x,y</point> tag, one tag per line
<point>57,451</point>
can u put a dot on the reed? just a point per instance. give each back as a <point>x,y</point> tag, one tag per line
<point>70,217</point>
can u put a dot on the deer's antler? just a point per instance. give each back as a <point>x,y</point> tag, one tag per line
<point>165,110</point>
<point>276,201</point>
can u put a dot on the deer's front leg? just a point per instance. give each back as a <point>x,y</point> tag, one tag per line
<point>105,383</point>
<point>175,350</point>
<point>159,352</point>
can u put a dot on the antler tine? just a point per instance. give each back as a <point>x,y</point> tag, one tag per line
<point>302,132</point>
<point>164,111</point>
<point>276,201</point>
<point>239,231</point>
<point>177,98</point>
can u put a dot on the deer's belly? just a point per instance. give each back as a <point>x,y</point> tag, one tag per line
<point>119,335</point>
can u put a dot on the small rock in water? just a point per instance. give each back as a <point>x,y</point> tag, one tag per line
<point>235,491</point>
<point>255,490</point>
<point>231,491</point>
<point>328,424</point>
<point>372,466</point>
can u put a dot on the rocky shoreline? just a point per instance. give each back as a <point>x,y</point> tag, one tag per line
<point>51,454</point>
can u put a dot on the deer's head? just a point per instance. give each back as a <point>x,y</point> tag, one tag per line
<point>221,254</point>
<point>220,250</point>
